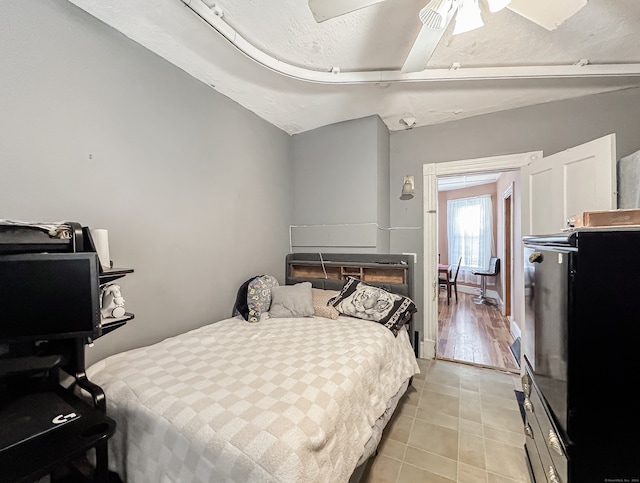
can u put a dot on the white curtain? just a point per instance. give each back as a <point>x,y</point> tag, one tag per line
<point>470,234</point>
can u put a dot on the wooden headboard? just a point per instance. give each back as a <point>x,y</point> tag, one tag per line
<point>329,271</point>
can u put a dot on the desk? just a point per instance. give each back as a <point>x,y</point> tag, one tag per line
<point>445,270</point>
<point>444,279</point>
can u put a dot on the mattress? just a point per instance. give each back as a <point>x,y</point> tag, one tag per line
<point>282,400</point>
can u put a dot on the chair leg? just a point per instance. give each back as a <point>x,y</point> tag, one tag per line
<point>455,287</point>
<point>489,300</point>
<point>481,298</point>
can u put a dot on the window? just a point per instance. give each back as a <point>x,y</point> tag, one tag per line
<point>469,230</point>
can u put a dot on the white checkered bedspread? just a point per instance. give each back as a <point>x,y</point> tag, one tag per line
<point>282,400</point>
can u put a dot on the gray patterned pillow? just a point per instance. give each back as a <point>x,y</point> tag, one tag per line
<point>259,296</point>
<point>363,301</point>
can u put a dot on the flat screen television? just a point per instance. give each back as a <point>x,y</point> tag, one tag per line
<point>49,296</point>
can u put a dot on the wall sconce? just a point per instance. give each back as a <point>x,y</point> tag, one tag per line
<point>408,188</point>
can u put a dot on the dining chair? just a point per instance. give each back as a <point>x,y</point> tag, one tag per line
<point>451,282</point>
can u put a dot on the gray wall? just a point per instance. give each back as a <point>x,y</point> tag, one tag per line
<point>197,192</point>
<point>551,127</point>
<point>96,129</point>
<point>341,188</point>
<point>383,244</point>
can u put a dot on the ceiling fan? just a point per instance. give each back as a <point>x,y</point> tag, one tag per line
<point>438,14</point>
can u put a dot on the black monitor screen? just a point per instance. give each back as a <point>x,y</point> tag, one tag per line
<point>48,295</point>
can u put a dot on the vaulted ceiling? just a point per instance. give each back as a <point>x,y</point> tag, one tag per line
<point>273,58</point>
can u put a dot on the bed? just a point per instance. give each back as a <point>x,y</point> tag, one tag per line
<point>287,399</point>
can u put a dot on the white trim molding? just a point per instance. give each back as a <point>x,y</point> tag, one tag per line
<point>430,174</point>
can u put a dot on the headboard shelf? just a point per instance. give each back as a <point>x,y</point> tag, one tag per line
<point>333,268</point>
<point>339,271</point>
<point>314,271</point>
<point>392,272</point>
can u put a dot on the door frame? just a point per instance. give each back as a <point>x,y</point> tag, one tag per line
<point>508,245</point>
<point>430,173</point>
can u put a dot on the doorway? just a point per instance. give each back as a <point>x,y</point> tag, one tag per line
<point>431,172</point>
<point>475,222</point>
<point>581,178</point>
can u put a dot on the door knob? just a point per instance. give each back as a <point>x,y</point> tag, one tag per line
<point>536,257</point>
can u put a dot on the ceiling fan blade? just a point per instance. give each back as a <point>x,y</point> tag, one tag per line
<point>549,14</point>
<point>325,9</point>
<point>422,50</point>
<point>426,42</point>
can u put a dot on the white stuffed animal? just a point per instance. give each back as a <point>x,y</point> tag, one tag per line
<point>112,301</point>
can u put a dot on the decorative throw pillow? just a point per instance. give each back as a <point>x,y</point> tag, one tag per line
<point>241,307</point>
<point>291,301</point>
<point>363,301</point>
<point>259,296</point>
<point>321,306</point>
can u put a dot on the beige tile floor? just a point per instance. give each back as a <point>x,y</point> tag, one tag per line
<point>457,423</point>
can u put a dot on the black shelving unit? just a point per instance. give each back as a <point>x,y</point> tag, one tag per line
<point>112,274</point>
<point>105,277</point>
<point>48,425</point>
<point>31,447</point>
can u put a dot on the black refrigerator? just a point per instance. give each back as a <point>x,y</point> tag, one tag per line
<point>581,355</point>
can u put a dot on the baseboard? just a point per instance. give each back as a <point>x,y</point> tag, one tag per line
<point>515,349</point>
<point>427,349</point>
<point>492,294</point>
<point>468,289</point>
<point>514,328</point>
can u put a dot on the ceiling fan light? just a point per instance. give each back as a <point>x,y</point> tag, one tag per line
<point>434,15</point>
<point>497,5</point>
<point>468,17</point>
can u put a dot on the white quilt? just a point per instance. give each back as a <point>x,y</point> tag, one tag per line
<point>282,400</point>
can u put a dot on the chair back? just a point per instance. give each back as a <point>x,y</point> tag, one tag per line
<point>455,276</point>
<point>494,266</point>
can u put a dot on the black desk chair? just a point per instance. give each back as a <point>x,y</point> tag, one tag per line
<point>494,269</point>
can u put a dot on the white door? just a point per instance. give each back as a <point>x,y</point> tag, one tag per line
<point>560,186</point>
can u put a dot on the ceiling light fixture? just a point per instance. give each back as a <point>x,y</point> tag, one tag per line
<point>468,17</point>
<point>434,15</point>
<point>497,5</point>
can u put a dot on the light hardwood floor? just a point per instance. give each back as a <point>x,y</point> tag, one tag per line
<point>476,334</point>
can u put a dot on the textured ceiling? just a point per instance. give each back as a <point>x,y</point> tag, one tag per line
<point>378,39</point>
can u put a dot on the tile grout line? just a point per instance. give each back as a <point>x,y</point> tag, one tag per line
<point>413,422</point>
<point>459,426</point>
<point>484,438</point>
